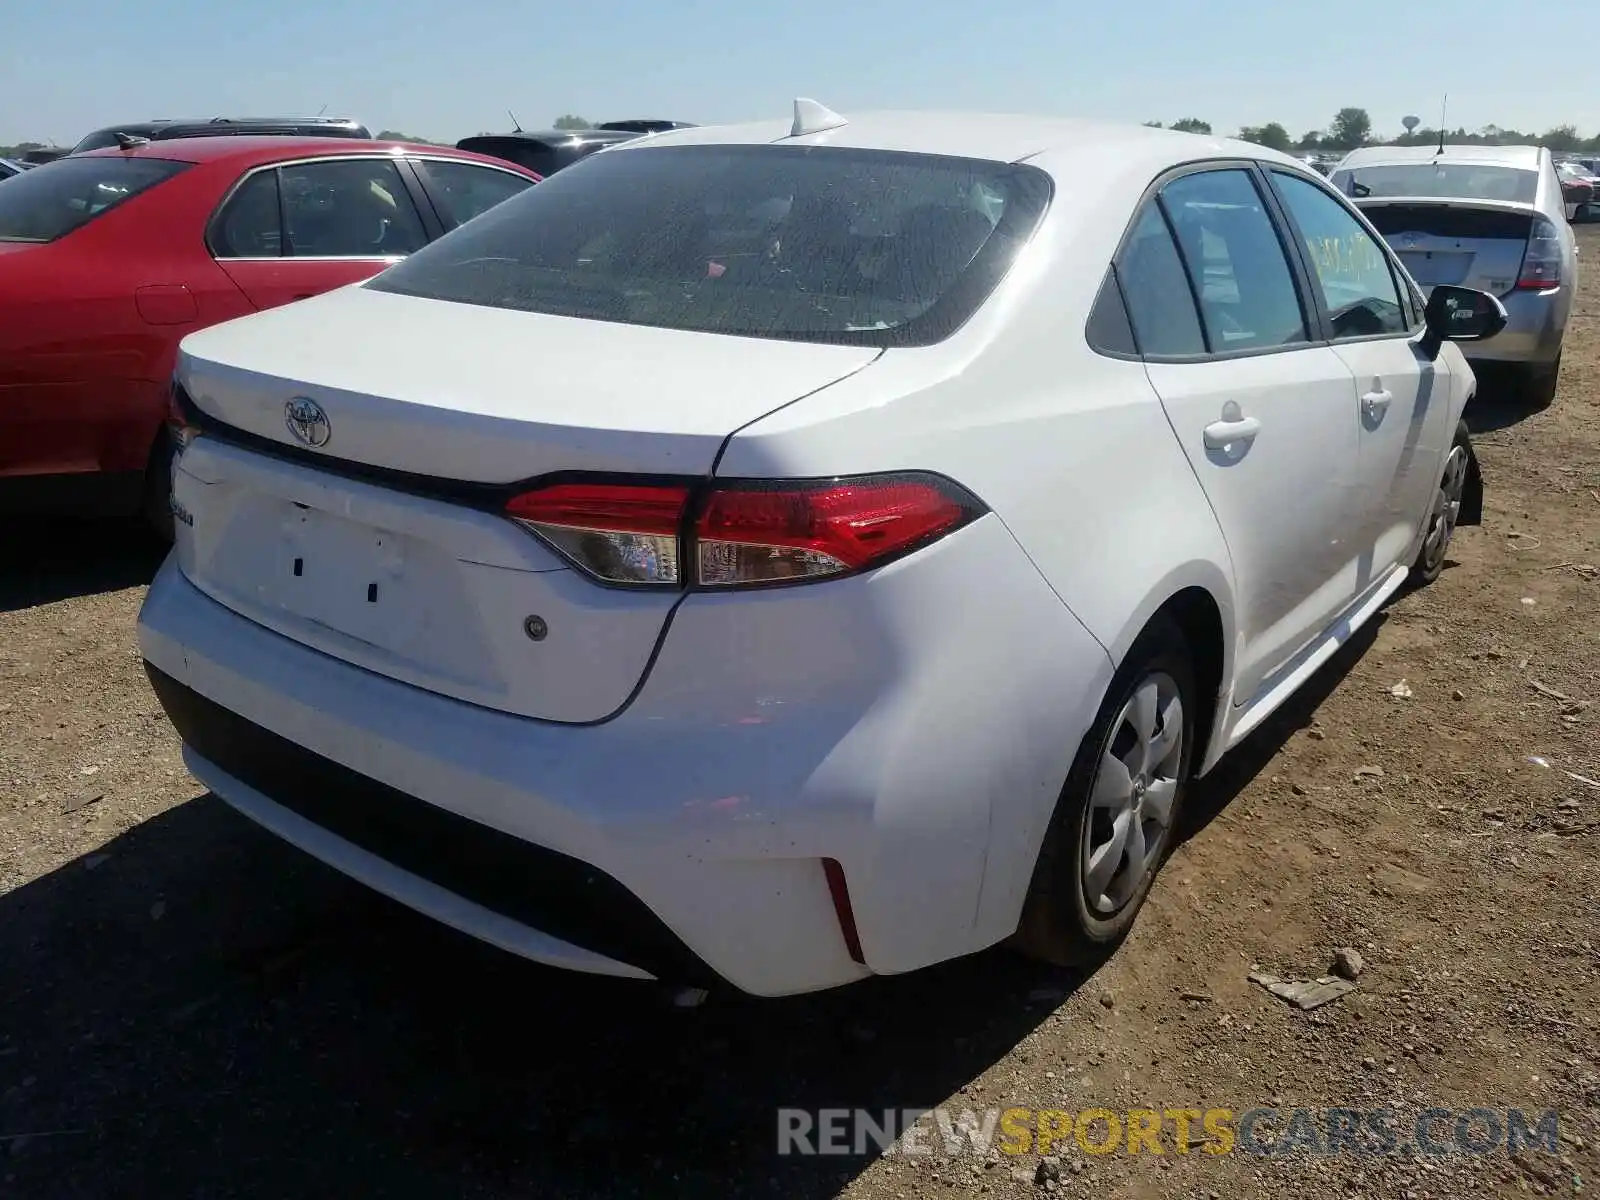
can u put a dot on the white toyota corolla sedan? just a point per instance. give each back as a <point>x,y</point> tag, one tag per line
<point>776,555</point>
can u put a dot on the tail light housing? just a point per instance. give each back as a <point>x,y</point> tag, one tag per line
<point>179,427</point>
<point>742,533</point>
<point>1541,261</point>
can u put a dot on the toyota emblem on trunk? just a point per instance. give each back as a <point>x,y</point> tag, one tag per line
<point>307,421</point>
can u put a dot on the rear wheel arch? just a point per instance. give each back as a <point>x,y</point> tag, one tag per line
<point>1199,618</point>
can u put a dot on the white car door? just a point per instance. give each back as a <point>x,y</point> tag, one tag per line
<point>1401,403</point>
<point>1263,412</point>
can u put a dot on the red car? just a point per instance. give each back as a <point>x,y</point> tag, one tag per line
<point>108,259</point>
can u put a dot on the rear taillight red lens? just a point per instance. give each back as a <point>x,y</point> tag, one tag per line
<point>1541,261</point>
<point>762,534</point>
<point>742,533</point>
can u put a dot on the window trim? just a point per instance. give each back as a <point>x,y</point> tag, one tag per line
<point>407,179</point>
<point>1397,277</point>
<point>1310,308</point>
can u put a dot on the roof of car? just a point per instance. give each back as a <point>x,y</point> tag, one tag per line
<point>561,136</point>
<point>164,122</point>
<point>1526,157</point>
<point>994,136</point>
<point>263,146</point>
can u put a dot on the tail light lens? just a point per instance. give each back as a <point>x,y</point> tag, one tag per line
<point>619,533</point>
<point>1541,262</point>
<point>742,534</point>
<point>178,423</point>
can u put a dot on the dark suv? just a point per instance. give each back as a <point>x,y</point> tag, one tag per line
<point>547,151</point>
<point>153,131</point>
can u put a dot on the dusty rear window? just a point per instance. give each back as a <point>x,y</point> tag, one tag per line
<point>1454,181</point>
<point>52,200</point>
<point>793,243</point>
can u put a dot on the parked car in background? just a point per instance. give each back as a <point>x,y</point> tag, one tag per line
<point>107,259</point>
<point>43,154</point>
<point>1487,217</point>
<point>643,662</point>
<point>548,151</point>
<point>1579,189</point>
<point>164,129</point>
<point>645,125</point>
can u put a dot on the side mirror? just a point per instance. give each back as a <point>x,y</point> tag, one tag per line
<point>1458,314</point>
<point>1587,214</point>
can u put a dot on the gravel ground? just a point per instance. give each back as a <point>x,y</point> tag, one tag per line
<point>189,1008</point>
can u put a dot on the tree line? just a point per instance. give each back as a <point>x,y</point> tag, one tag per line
<point>1352,127</point>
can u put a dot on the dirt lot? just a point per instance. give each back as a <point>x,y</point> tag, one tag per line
<point>190,1009</point>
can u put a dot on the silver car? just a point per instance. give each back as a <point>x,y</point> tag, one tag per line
<point>1486,217</point>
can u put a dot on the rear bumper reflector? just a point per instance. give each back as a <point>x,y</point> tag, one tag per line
<point>840,891</point>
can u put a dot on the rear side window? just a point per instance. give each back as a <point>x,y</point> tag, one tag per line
<point>824,244</point>
<point>461,190</point>
<point>1160,304</point>
<point>341,208</point>
<point>52,200</point>
<point>1248,299</point>
<point>347,208</point>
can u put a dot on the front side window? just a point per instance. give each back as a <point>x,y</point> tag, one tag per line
<point>1358,288</point>
<point>462,190</point>
<point>796,243</point>
<point>1248,299</point>
<point>348,208</point>
<point>52,200</point>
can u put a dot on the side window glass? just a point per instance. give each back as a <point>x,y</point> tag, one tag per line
<point>247,226</point>
<point>1159,301</point>
<point>348,208</point>
<point>461,190</point>
<point>1248,299</point>
<point>1109,331</point>
<point>1353,273</point>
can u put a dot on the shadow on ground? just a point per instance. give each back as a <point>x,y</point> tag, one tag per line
<point>49,560</point>
<point>1500,401</point>
<point>198,1010</point>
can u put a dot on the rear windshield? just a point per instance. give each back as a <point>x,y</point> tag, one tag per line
<point>1456,181</point>
<point>52,200</point>
<point>795,243</point>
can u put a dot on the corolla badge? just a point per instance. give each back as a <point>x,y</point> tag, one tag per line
<point>307,421</point>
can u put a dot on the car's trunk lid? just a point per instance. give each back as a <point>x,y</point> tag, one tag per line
<point>384,546</point>
<point>1472,243</point>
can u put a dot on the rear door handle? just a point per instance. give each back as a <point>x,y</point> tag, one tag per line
<point>1375,403</point>
<point>1221,434</point>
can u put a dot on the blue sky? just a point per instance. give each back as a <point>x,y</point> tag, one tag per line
<point>448,70</point>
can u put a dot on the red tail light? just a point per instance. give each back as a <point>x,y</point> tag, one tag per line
<point>744,533</point>
<point>1541,262</point>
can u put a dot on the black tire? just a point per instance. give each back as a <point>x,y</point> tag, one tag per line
<point>1539,385</point>
<point>156,508</point>
<point>1433,553</point>
<point>1058,925</point>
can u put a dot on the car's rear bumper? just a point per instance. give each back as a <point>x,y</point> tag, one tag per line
<point>913,725</point>
<point>1535,326</point>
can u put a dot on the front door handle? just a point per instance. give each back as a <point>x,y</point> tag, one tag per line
<point>1220,435</point>
<point>1376,402</point>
